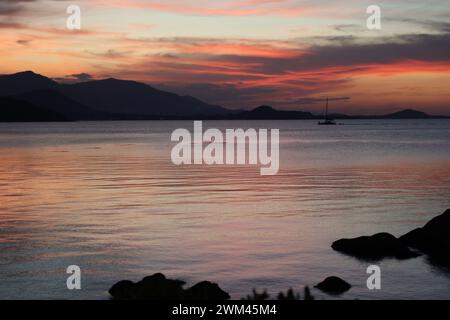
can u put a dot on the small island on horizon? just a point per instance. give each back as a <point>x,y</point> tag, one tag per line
<point>30,97</point>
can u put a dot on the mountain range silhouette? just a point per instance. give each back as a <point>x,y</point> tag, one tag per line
<point>27,96</point>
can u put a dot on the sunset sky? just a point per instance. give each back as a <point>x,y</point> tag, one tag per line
<point>239,54</point>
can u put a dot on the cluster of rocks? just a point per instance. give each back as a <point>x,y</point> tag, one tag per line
<point>158,287</point>
<point>433,239</point>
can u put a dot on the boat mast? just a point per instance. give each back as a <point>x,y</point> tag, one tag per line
<point>326,110</point>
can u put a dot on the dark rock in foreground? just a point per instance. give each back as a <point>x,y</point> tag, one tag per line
<point>433,238</point>
<point>333,285</point>
<point>206,290</point>
<point>378,246</point>
<point>158,287</point>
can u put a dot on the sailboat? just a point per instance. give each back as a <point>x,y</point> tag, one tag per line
<point>327,121</point>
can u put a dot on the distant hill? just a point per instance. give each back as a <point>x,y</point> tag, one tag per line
<point>403,114</point>
<point>103,99</point>
<point>131,97</point>
<point>14,110</point>
<point>407,114</point>
<point>267,112</point>
<point>55,101</point>
<point>24,82</point>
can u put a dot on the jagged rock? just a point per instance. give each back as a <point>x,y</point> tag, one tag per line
<point>333,285</point>
<point>158,287</point>
<point>374,247</point>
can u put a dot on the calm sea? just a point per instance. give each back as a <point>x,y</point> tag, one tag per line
<point>105,196</point>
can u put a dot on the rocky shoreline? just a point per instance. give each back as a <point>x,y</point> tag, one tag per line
<point>432,240</point>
